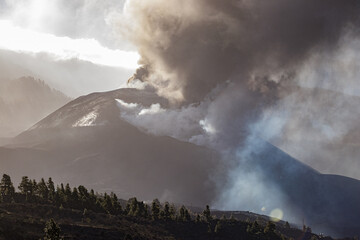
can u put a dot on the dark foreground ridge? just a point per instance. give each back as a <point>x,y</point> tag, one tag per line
<point>41,210</point>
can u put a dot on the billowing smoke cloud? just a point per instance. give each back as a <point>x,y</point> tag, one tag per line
<point>156,120</point>
<point>273,55</point>
<point>189,47</point>
<point>249,73</point>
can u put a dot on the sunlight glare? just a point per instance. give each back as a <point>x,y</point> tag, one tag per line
<point>64,48</point>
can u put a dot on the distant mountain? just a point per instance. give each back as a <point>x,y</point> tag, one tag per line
<point>86,142</point>
<point>326,124</point>
<point>73,77</point>
<point>24,101</point>
<point>327,203</point>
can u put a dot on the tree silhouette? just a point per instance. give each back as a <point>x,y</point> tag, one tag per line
<point>155,209</point>
<point>52,231</point>
<point>7,189</point>
<point>51,187</point>
<point>184,214</point>
<point>166,211</point>
<point>116,207</point>
<point>26,187</point>
<point>207,214</point>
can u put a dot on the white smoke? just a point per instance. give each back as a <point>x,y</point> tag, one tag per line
<point>183,123</point>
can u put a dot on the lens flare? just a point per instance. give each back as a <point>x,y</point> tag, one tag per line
<point>276,215</point>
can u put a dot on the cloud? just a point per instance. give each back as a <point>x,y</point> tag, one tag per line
<point>64,48</point>
<point>77,19</point>
<point>73,46</point>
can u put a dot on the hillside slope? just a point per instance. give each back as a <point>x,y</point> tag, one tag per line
<point>27,221</point>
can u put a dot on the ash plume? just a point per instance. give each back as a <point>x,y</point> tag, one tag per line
<point>243,73</point>
<point>248,61</point>
<point>189,47</point>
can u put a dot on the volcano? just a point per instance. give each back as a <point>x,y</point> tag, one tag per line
<point>87,143</point>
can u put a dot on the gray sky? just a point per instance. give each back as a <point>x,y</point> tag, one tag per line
<point>72,45</point>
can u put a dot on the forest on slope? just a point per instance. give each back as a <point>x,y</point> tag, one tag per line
<point>43,210</point>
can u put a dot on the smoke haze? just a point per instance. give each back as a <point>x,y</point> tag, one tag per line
<point>240,73</point>
<point>283,71</point>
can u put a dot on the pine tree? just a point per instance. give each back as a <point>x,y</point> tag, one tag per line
<point>184,214</point>
<point>75,198</point>
<point>207,214</point>
<point>107,203</point>
<point>116,206</point>
<point>92,195</point>
<point>155,209</point>
<point>7,189</point>
<point>34,187</point>
<point>140,210</point>
<point>146,211</point>
<point>42,189</point>
<point>254,228</point>
<point>51,188</point>
<point>83,196</point>
<point>52,231</point>
<point>270,228</point>
<point>166,211</point>
<point>67,194</point>
<point>26,187</point>
<point>172,212</point>
<point>83,192</point>
<point>187,215</point>
<point>60,194</point>
<point>67,190</point>
<point>131,206</point>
